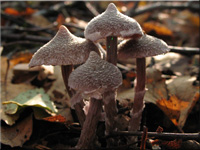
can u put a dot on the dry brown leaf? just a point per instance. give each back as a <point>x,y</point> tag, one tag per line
<point>10,91</point>
<point>177,63</point>
<point>182,94</point>
<point>18,134</point>
<point>160,30</point>
<point>172,108</point>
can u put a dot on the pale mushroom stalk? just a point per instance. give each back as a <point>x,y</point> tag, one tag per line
<point>88,132</point>
<point>109,99</point>
<point>138,105</point>
<point>146,46</point>
<point>112,24</point>
<point>66,70</point>
<point>94,79</point>
<point>65,50</point>
<point>78,104</point>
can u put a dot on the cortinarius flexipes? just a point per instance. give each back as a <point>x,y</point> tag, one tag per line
<point>65,50</point>
<point>146,46</point>
<point>110,25</point>
<point>93,79</point>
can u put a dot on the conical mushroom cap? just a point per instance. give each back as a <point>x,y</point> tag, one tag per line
<point>112,23</point>
<point>63,49</point>
<point>95,76</point>
<point>146,46</point>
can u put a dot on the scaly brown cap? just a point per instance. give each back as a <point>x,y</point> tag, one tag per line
<point>63,49</point>
<point>112,23</point>
<point>146,46</point>
<point>95,77</point>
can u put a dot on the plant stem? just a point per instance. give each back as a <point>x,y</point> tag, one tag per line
<point>88,132</point>
<point>163,135</point>
<point>111,46</point>
<point>138,104</point>
<point>66,70</point>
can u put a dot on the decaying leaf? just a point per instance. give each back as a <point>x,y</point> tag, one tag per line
<point>175,97</point>
<point>172,108</point>
<point>8,119</point>
<point>158,28</point>
<point>184,90</point>
<point>176,63</point>
<point>35,98</point>
<point>18,134</point>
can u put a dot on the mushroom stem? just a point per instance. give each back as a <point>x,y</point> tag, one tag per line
<point>111,46</point>
<point>88,132</point>
<point>78,104</point>
<point>66,70</point>
<point>138,104</point>
<point>111,114</point>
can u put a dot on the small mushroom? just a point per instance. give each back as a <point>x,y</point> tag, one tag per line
<point>93,79</point>
<point>65,50</point>
<point>110,25</point>
<point>146,46</point>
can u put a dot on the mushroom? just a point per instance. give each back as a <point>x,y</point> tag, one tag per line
<point>93,79</point>
<point>110,25</point>
<point>65,50</point>
<point>146,46</point>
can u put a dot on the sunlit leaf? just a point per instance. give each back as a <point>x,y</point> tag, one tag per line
<point>34,98</point>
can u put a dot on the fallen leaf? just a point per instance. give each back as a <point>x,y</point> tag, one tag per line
<point>57,118</point>
<point>176,63</point>
<point>184,90</point>
<point>18,134</point>
<point>20,57</point>
<point>34,98</point>
<point>175,97</point>
<point>172,108</point>
<point>159,29</point>
<point>27,12</point>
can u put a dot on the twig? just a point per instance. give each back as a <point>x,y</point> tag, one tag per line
<point>22,43</point>
<point>185,50</point>
<point>33,29</point>
<point>164,135</point>
<point>20,21</point>
<point>74,26</point>
<point>26,37</point>
<point>91,8</point>
<point>160,6</point>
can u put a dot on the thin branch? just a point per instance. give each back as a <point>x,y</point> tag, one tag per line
<point>22,43</point>
<point>91,8</point>
<point>184,50</point>
<point>164,135</point>
<point>74,26</point>
<point>20,21</point>
<point>160,6</point>
<point>26,37</point>
<point>23,29</point>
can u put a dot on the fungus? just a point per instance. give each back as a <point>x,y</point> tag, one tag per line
<point>146,46</point>
<point>110,25</point>
<point>64,50</point>
<point>94,78</point>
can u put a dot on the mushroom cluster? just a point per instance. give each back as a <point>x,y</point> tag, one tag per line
<point>97,78</point>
